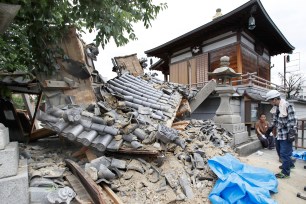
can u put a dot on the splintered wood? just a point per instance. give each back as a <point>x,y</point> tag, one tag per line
<point>181,125</point>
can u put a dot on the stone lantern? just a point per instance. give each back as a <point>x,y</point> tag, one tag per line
<point>224,115</point>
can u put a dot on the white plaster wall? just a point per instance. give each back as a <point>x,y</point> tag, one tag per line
<point>181,57</point>
<point>219,44</point>
<point>217,37</point>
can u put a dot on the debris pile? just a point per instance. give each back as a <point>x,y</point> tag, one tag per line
<point>143,156</point>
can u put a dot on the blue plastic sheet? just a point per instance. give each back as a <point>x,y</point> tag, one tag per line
<point>299,154</point>
<point>240,183</point>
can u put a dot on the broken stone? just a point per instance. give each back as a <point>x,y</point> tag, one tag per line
<point>91,171</point>
<point>186,186</point>
<point>61,195</point>
<point>199,162</point>
<point>172,180</point>
<point>101,160</point>
<point>180,197</point>
<point>120,164</point>
<point>104,172</point>
<point>135,165</point>
<point>42,182</point>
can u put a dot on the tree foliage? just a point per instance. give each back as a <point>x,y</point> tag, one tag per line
<point>39,23</point>
<point>293,84</point>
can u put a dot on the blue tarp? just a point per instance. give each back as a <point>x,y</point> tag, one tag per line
<point>240,183</point>
<point>299,154</point>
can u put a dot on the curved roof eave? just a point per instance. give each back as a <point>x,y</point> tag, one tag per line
<point>167,45</point>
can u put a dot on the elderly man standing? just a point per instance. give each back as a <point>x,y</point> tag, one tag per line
<point>285,121</point>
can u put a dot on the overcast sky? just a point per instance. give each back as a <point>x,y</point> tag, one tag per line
<point>182,16</point>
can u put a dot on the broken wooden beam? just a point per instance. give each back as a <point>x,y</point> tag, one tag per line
<point>181,125</point>
<point>59,84</point>
<point>41,133</point>
<point>135,152</point>
<point>92,188</point>
<point>112,194</point>
<point>82,194</point>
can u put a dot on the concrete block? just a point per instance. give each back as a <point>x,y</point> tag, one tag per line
<point>38,195</point>
<point>234,128</point>
<point>227,119</point>
<point>4,136</point>
<point>249,148</point>
<point>9,158</point>
<point>240,137</point>
<point>15,189</point>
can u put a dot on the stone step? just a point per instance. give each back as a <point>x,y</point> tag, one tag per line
<point>15,189</point>
<point>9,158</point>
<point>202,95</point>
<point>253,137</point>
<point>248,148</point>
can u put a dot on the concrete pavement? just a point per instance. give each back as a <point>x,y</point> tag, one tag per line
<point>288,188</point>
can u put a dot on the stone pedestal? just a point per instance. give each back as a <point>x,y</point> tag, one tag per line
<point>15,189</point>
<point>14,186</point>
<point>4,136</point>
<point>9,158</point>
<point>226,119</point>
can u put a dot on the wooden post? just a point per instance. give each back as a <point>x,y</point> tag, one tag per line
<point>35,112</point>
<point>28,105</point>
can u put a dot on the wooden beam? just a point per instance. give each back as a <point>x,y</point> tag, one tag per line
<point>92,188</point>
<point>111,194</point>
<point>28,105</point>
<point>23,89</point>
<point>35,112</point>
<point>239,59</point>
<point>59,84</point>
<point>41,133</point>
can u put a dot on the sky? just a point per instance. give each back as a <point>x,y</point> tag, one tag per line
<point>182,16</point>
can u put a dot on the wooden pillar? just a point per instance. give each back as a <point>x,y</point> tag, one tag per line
<point>239,59</point>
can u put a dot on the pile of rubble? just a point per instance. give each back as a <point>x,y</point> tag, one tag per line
<point>143,152</point>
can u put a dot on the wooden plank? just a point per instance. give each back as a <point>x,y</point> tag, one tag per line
<point>174,73</point>
<point>35,112</point>
<point>239,59</point>
<point>111,194</point>
<point>80,152</point>
<point>92,188</point>
<point>41,133</point>
<point>28,105</point>
<point>170,121</point>
<point>59,84</point>
<point>82,194</point>
<point>90,155</point>
<point>134,152</point>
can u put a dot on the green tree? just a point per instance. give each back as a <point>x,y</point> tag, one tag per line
<point>41,23</point>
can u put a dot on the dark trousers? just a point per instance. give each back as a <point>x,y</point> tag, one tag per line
<point>271,142</point>
<point>268,142</point>
<point>285,151</point>
<point>277,147</point>
<point>264,142</point>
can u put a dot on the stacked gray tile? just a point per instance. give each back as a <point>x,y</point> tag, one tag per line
<point>149,106</point>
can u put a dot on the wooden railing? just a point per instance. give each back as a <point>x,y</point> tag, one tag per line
<point>300,139</point>
<point>250,79</point>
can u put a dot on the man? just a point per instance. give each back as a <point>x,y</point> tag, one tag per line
<point>265,136</point>
<point>285,122</point>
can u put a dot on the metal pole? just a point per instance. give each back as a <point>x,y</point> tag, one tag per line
<point>285,71</point>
